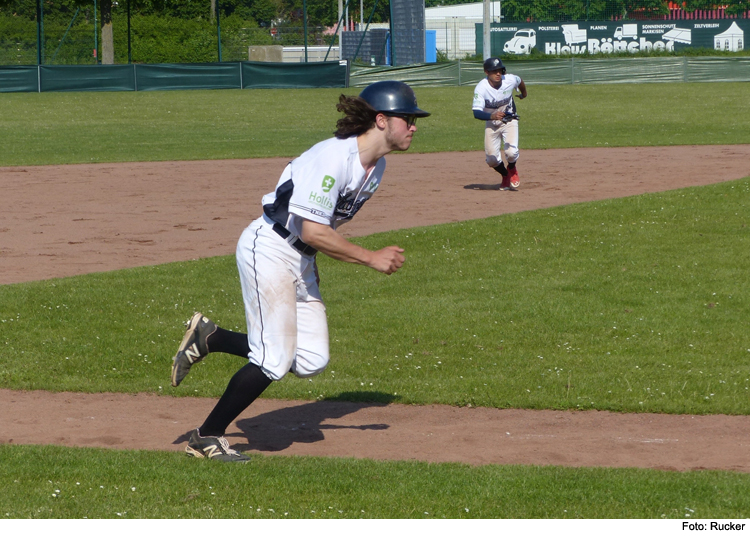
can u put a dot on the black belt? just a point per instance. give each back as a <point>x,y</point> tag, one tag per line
<point>294,241</point>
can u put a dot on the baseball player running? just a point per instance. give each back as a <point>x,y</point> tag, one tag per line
<point>493,103</point>
<point>286,318</point>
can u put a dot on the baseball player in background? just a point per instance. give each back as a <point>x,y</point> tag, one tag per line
<point>493,103</point>
<point>285,315</point>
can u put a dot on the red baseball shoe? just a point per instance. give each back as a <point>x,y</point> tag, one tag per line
<point>506,184</point>
<point>515,182</point>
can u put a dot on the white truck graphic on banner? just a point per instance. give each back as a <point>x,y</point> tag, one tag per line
<point>627,31</point>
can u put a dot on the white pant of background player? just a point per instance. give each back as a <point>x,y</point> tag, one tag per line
<point>501,141</point>
<point>287,328</point>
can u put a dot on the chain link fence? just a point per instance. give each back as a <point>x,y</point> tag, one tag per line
<point>70,33</point>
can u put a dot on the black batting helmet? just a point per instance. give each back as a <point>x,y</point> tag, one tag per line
<point>392,96</point>
<point>494,63</point>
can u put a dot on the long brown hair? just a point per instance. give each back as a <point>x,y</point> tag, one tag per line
<point>358,118</point>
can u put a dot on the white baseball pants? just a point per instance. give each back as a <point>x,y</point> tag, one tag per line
<point>501,140</point>
<point>287,328</point>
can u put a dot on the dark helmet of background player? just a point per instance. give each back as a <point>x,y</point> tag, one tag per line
<point>494,63</point>
<point>392,96</point>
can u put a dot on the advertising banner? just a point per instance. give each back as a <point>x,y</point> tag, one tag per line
<point>577,38</point>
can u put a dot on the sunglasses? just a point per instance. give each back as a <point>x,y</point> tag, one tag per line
<point>410,119</point>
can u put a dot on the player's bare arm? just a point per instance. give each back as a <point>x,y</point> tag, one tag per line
<point>326,240</point>
<point>522,89</point>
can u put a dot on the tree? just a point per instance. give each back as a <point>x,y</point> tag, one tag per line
<point>581,10</point>
<point>645,9</point>
<point>737,7</point>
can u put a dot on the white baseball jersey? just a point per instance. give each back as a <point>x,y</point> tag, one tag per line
<point>287,328</point>
<point>489,99</point>
<point>327,184</point>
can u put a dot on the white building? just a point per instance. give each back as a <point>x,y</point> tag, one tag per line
<point>456,26</point>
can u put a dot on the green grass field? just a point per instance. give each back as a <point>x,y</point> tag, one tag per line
<point>54,482</point>
<point>630,305</point>
<point>639,303</point>
<point>51,128</point>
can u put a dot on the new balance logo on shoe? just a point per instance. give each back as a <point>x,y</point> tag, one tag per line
<point>213,448</point>
<point>198,329</point>
<point>211,451</point>
<point>192,353</point>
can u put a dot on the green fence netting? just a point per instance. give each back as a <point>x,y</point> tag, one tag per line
<point>249,75</point>
<point>86,78</point>
<point>718,70</point>
<point>244,75</point>
<point>427,74</point>
<point>297,75</point>
<point>188,76</point>
<point>568,71</point>
<point>19,78</point>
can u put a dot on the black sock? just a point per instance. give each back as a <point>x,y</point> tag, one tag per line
<point>501,169</point>
<point>244,387</point>
<point>227,341</point>
<point>512,165</point>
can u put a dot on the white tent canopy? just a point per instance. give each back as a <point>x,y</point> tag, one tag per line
<point>731,39</point>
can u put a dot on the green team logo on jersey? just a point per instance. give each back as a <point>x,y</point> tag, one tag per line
<point>328,183</point>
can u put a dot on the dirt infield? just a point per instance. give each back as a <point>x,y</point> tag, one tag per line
<point>59,221</point>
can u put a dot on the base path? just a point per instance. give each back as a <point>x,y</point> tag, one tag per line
<point>432,433</point>
<point>57,221</point>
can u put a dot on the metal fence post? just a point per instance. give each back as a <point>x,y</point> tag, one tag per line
<point>304,24</point>
<point>38,32</point>
<point>684,69</point>
<point>218,29</point>
<point>336,33</point>
<point>393,38</point>
<point>572,71</point>
<point>130,57</point>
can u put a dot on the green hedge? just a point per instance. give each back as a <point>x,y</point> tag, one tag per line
<point>17,41</point>
<point>154,39</point>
